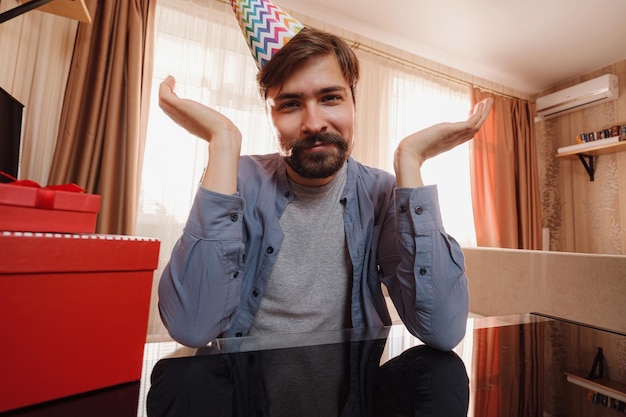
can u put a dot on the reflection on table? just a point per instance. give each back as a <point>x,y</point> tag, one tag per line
<point>343,378</point>
<point>516,366</point>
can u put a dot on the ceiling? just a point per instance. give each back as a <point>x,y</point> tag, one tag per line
<point>527,45</point>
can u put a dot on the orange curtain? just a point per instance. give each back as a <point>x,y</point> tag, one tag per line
<point>102,131</point>
<point>504,177</point>
<point>508,370</point>
<point>487,387</point>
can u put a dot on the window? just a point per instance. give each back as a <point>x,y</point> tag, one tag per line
<point>418,102</point>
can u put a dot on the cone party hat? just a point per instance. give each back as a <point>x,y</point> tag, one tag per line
<point>265,26</point>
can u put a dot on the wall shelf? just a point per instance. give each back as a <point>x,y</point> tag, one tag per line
<point>587,155</point>
<point>603,386</point>
<point>74,9</point>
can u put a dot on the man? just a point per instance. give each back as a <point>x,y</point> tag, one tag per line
<point>302,240</point>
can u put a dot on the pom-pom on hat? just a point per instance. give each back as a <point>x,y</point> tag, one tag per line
<point>265,26</point>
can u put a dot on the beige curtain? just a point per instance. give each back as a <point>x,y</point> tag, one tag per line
<point>101,135</point>
<point>35,54</point>
<point>504,177</point>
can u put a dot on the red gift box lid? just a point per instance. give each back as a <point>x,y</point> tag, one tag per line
<point>27,252</point>
<point>13,194</point>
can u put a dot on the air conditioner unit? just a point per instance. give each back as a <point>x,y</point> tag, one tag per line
<point>589,93</point>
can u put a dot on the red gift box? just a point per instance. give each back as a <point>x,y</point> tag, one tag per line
<point>25,206</point>
<point>74,313</point>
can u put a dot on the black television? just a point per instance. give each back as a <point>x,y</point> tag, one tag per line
<point>10,134</point>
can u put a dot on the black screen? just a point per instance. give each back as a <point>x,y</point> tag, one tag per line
<point>10,133</point>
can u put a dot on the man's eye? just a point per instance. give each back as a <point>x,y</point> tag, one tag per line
<point>288,105</point>
<point>331,98</point>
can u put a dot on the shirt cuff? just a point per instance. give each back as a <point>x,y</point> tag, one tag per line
<point>215,215</point>
<point>417,209</point>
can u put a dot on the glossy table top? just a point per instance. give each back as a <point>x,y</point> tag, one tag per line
<point>505,366</point>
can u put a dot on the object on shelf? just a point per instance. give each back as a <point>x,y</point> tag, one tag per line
<point>602,391</point>
<point>615,130</point>
<point>603,386</point>
<point>587,155</point>
<point>579,147</point>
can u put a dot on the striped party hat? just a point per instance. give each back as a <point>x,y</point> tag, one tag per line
<point>265,26</point>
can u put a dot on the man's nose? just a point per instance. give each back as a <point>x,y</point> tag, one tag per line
<point>313,120</point>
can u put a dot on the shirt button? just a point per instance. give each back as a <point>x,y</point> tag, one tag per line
<point>238,334</point>
<point>402,209</point>
<point>288,194</point>
<point>270,250</point>
<point>419,210</point>
<point>423,271</point>
<point>236,274</point>
<point>255,293</point>
<point>234,217</point>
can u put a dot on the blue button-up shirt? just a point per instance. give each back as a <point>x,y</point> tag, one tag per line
<point>217,273</point>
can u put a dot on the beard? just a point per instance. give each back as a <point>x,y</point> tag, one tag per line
<point>318,164</point>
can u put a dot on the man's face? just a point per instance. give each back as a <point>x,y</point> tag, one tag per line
<point>312,114</point>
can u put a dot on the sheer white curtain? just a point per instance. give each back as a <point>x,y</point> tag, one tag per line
<point>200,43</point>
<point>395,100</point>
<point>418,102</point>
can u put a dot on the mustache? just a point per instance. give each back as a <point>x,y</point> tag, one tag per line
<point>322,137</point>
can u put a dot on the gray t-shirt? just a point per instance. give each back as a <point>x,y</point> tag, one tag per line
<point>310,285</point>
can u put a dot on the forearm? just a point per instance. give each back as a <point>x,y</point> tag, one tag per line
<point>430,286</point>
<point>195,300</point>
<point>444,301</point>
<point>407,166</point>
<point>220,175</point>
<point>199,289</point>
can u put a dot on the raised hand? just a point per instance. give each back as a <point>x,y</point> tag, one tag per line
<point>196,118</point>
<point>416,148</point>
<point>215,128</point>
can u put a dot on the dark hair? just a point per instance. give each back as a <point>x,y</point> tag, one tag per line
<point>306,44</point>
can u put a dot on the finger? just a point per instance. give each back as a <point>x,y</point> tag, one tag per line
<point>480,114</point>
<point>167,96</point>
<point>166,88</point>
<point>486,109</point>
<point>170,81</point>
<point>488,103</point>
<point>483,106</point>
